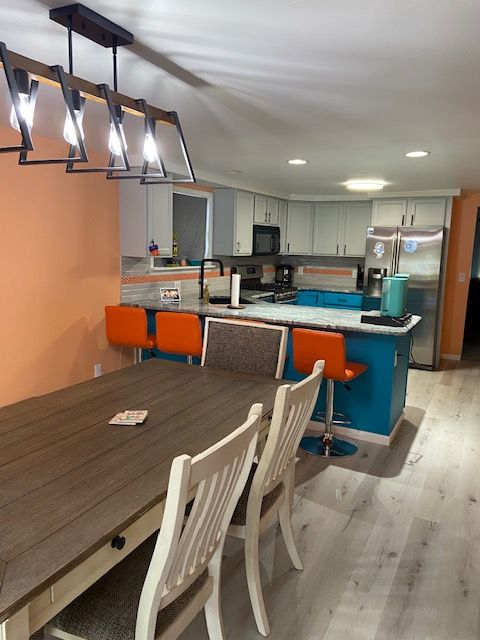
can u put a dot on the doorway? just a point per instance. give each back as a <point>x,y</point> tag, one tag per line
<point>471,340</point>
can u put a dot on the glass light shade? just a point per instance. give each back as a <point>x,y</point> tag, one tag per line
<point>69,129</point>
<point>27,112</point>
<point>149,148</point>
<point>114,142</point>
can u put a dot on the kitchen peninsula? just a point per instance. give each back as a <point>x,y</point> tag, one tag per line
<point>375,401</point>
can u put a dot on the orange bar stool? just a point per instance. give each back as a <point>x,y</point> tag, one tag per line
<point>308,347</point>
<point>127,327</point>
<point>179,333</point>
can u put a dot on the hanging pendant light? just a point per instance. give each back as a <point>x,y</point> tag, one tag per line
<point>117,144</point>
<point>69,130</point>
<point>23,95</point>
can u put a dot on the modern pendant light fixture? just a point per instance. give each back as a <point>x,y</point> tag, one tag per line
<point>76,92</point>
<point>117,144</point>
<point>24,96</point>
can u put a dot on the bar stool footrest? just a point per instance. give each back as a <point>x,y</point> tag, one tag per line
<point>338,418</point>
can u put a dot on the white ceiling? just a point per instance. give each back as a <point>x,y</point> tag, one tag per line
<point>348,85</point>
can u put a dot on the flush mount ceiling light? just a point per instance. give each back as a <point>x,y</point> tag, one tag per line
<point>417,154</point>
<point>297,161</point>
<point>365,185</point>
<point>76,91</point>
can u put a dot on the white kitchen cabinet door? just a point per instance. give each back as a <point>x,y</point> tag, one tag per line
<point>261,215</point>
<point>146,213</point>
<point>389,213</point>
<point>160,217</point>
<point>244,216</point>
<point>357,217</point>
<point>426,211</point>
<point>299,228</point>
<point>327,227</point>
<point>272,211</point>
<point>282,223</point>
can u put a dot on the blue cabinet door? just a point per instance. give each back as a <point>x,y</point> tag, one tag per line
<point>307,298</point>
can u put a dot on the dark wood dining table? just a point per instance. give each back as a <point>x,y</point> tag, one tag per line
<point>77,494</point>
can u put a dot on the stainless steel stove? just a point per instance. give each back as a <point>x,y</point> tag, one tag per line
<point>252,281</point>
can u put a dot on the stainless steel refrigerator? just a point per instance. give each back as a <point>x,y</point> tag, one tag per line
<point>418,251</point>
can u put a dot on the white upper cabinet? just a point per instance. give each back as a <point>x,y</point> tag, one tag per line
<point>299,228</point>
<point>357,217</point>
<point>272,211</point>
<point>261,214</point>
<point>409,212</point>
<point>233,215</point>
<point>282,223</point>
<point>243,240</point>
<point>146,213</point>
<point>340,228</point>
<point>266,210</point>
<point>425,211</point>
<point>327,221</point>
<point>389,213</point>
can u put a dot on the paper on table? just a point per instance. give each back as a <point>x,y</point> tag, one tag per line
<point>235,294</point>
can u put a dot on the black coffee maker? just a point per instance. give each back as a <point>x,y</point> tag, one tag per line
<point>284,274</point>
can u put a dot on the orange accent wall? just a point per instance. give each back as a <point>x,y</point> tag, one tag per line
<point>460,248</point>
<point>59,251</point>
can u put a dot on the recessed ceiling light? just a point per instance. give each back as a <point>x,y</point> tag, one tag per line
<point>297,161</point>
<point>417,154</point>
<point>365,185</point>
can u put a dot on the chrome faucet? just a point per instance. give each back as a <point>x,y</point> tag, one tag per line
<point>202,272</point>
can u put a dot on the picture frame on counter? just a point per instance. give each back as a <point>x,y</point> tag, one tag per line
<point>170,294</point>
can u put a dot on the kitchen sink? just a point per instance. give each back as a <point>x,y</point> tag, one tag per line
<point>226,300</point>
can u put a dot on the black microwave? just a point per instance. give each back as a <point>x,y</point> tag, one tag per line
<point>266,240</point>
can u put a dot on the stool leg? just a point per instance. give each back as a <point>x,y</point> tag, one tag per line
<point>328,445</point>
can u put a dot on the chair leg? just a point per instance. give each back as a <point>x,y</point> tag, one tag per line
<point>213,608</point>
<point>252,566</point>
<point>285,518</point>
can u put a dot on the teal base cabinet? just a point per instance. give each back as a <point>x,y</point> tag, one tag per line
<point>329,299</point>
<point>376,398</point>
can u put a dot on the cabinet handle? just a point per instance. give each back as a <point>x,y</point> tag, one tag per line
<point>412,220</point>
<point>288,247</point>
<point>266,216</point>
<point>403,219</point>
<point>269,217</point>
<point>344,249</point>
<point>337,249</point>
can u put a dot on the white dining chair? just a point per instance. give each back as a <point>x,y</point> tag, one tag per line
<point>157,590</point>
<point>270,486</point>
<point>245,347</point>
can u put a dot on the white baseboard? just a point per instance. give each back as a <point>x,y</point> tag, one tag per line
<point>358,434</point>
<point>450,356</point>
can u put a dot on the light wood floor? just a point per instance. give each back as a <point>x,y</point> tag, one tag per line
<point>390,538</point>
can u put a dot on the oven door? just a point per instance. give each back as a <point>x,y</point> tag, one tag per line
<point>266,240</point>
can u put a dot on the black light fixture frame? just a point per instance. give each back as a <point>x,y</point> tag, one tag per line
<point>68,99</point>
<point>186,157</point>
<point>115,120</point>
<point>27,142</point>
<point>149,129</point>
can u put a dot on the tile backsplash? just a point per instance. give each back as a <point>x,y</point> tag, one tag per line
<point>328,271</point>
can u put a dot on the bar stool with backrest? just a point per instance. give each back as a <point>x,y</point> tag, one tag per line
<point>245,347</point>
<point>127,327</point>
<point>308,347</point>
<point>179,333</point>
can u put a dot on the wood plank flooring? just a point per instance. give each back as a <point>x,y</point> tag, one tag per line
<point>390,538</point>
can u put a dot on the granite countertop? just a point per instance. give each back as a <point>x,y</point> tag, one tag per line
<point>291,315</point>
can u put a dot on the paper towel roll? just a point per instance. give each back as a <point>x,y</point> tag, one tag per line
<point>235,293</point>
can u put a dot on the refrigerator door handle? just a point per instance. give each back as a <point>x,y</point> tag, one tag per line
<point>395,254</point>
<point>403,219</point>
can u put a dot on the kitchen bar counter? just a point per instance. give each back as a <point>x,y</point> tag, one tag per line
<point>374,401</point>
<point>290,315</point>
